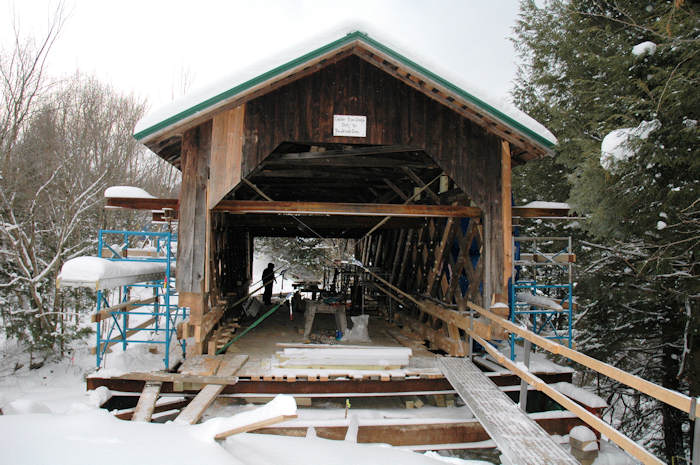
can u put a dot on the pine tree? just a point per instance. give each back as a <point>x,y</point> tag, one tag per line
<point>591,68</point>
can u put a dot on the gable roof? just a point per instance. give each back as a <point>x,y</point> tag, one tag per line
<point>496,116</point>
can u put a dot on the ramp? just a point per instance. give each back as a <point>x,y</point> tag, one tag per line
<point>520,439</point>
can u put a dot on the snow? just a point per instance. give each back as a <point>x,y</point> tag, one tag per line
<point>616,145</point>
<point>644,48</point>
<point>660,225</point>
<point>101,273</point>
<point>542,204</point>
<point>127,192</point>
<point>538,301</point>
<point>580,395</point>
<point>499,305</point>
<point>454,460</point>
<point>246,74</point>
<point>281,405</point>
<point>582,434</point>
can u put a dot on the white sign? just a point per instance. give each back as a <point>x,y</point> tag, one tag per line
<point>350,125</point>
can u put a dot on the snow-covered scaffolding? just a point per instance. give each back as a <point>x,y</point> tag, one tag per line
<point>138,261</point>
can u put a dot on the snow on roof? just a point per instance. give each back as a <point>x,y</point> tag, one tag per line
<point>617,144</point>
<point>101,273</point>
<point>127,191</point>
<point>201,100</point>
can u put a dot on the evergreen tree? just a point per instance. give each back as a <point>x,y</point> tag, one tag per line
<point>627,70</point>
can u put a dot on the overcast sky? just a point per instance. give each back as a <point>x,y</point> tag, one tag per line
<point>146,47</point>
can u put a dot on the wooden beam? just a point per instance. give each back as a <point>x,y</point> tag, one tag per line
<point>506,212</point>
<point>419,182</point>
<point>160,204</point>
<point>359,209</point>
<point>345,153</point>
<point>255,425</point>
<point>147,402</point>
<point>122,307</point>
<point>530,212</point>
<point>396,189</point>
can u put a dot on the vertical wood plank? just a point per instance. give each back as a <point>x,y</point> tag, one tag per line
<point>507,215</point>
<point>227,149</point>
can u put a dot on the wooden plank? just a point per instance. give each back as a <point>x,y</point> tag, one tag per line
<point>592,420</point>
<point>147,402</point>
<point>673,398</point>
<point>339,208</point>
<point>530,212</point>
<point>419,182</point>
<point>122,307</point>
<point>163,407</point>
<point>194,411</point>
<point>227,149</point>
<point>519,438</point>
<point>254,426</point>
<point>129,333</point>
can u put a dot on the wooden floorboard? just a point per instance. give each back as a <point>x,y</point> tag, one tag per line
<point>520,439</point>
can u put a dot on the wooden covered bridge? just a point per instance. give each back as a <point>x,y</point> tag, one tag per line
<point>354,140</point>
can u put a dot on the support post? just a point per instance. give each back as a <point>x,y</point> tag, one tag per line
<point>527,347</point>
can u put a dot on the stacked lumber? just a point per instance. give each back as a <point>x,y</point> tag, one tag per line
<point>355,357</point>
<point>221,336</point>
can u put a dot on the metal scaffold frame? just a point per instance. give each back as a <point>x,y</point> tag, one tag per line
<point>550,266</point>
<point>162,308</point>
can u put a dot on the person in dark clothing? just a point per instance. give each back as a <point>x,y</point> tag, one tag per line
<point>268,277</point>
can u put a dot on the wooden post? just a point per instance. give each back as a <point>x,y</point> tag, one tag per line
<point>507,215</point>
<point>192,245</point>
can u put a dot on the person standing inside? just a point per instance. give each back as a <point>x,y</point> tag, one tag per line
<point>268,277</point>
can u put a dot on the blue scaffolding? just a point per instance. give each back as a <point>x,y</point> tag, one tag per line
<point>543,269</point>
<point>164,313</point>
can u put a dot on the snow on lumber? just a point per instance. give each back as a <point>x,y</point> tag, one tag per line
<point>334,357</point>
<point>538,301</point>
<point>127,192</point>
<point>580,395</point>
<point>543,204</point>
<point>282,407</point>
<point>100,273</point>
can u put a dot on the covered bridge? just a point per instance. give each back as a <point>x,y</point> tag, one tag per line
<point>342,137</point>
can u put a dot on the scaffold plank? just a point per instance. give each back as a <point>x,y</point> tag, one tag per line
<point>519,438</point>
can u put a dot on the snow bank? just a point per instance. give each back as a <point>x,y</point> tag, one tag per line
<point>645,48</point>
<point>128,192</point>
<point>101,273</point>
<point>97,435</point>
<point>25,406</point>
<point>616,145</point>
<point>246,74</point>
<point>281,405</point>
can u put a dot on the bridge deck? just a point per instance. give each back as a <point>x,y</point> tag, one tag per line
<point>520,439</point>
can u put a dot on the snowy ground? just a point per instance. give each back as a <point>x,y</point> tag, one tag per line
<point>50,418</point>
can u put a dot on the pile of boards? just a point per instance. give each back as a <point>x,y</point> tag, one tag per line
<point>348,357</point>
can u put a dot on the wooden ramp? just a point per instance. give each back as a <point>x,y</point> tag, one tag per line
<point>227,366</point>
<point>520,439</point>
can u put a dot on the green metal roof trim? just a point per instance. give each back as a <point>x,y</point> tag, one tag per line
<point>357,35</point>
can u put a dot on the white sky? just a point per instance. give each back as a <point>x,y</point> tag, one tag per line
<point>145,47</point>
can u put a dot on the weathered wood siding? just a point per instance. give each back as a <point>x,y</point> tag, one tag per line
<point>227,144</point>
<point>396,115</point>
<point>192,233</point>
